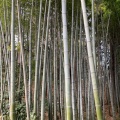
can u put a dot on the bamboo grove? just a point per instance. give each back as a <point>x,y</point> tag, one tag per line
<point>59,60</point>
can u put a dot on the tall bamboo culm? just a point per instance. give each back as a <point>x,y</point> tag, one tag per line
<point>66,64</point>
<point>44,65</point>
<point>23,62</point>
<point>12,88</point>
<point>91,63</point>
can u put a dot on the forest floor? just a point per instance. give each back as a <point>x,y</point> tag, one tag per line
<point>108,113</point>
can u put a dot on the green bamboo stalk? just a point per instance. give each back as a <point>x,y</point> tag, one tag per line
<point>91,63</point>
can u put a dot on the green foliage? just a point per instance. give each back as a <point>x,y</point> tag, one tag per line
<point>20,111</point>
<point>9,48</point>
<point>33,116</point>
<point>5,5</point>
<point>19,95</point>
<point>5,108</point>
<point>18,47</point>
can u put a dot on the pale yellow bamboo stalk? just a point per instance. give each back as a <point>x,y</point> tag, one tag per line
<point>91,63</point>
<point>66,64</point>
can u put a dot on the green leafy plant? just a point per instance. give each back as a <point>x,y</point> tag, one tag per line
<point>21,111</point>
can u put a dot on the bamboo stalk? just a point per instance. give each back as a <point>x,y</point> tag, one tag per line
<point>12,88</point>
<point>23,62</point>
<point>91,63</point>
<point>44,66</point>
<point>66,64</point>
<point>37,62</point>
